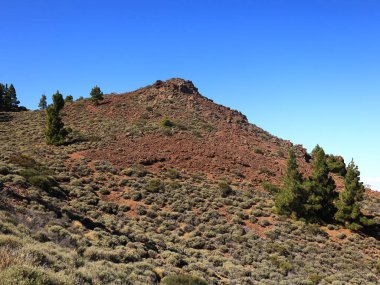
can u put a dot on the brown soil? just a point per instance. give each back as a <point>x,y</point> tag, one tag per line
<point>226,144</point>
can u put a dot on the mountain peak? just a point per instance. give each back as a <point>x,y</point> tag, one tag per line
<point>177,85</point>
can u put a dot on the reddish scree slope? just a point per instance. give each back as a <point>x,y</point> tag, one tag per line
<point>211,139</point>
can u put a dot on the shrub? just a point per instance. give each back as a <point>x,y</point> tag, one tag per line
<point>285,266</point>
<point>183,280</point>
<point>135,170</point>
<point>23,275</point>
<point>105,191</point>
<point>43,182</point>
<point>155,186</point>
<point>225,189</point>
<point>173,173</point>
<point>341,236</point>
<point>315,278</point>
<point>4,170</point>
<point>167,123</point>
<point>10,242</point>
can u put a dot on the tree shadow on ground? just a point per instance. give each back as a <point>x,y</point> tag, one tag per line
<point>5,117</point>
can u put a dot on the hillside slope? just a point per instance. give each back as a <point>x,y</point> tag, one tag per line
<point>137,196</point>
<point>204,137</point>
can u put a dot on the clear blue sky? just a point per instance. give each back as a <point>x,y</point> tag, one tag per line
<point>307,71</point>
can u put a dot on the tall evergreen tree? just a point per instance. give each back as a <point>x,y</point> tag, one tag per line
<point>12,97</point>
<point>2,90</point>
<point>321,189</point>
<point>348,205</point>
<point>55,133</point>
<point>290,198</point>
<point>6,98</point>
<point>96,95</point>
<point>58,102</point>
<point>43,103</point>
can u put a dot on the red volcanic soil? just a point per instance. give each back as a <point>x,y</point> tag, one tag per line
<point>211,139</point>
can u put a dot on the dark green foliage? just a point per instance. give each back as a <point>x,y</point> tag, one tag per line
<point>55,133</point>
<point>273,189</point>
<point>69,99</point>
<point>321,189</point>
<point>167,123</point>
<point>290,199</point>
<point>43,103</point>
<point>314,199</point>
<point>155,186</point>
<point>2,92</point>
<point>225,189</point>
<point>336,165</point>
<point>12,97</point>
<point>96,95</point>
<point>43,182</point>
<point>183,280</point>
<point>348,205</point>
<point>8,98</point>
<point>58,102</point>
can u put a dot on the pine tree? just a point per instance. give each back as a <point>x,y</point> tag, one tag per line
<point>55,133</point>
<point>321,189</point>
<point>69,99</point>
<point>42,104</point>
<point>2,90</point>
<point>96,95</point>
<point>58,102</point>
<point>6,98</point>
<point>290,198</point>
<point>12,97</point>
<point>348,205</point>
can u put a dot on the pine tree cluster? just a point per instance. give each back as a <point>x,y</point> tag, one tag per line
<point>8,98</point>
<point>315,199</point>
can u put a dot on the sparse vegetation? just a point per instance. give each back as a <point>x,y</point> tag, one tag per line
<point>150,209</point>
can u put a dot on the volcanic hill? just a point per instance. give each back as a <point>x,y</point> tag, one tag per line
<point>137,196</point>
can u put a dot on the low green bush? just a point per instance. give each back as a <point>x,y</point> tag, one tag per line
<point>167,123</point>
<point>23,275</point>
<point>183,280</point>
<point>225,189</point>
<point>155,186</point>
